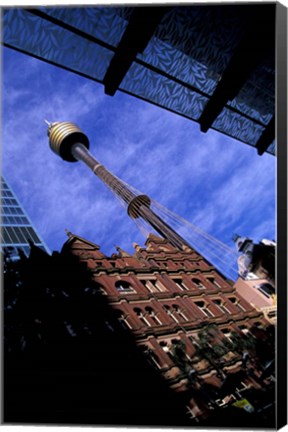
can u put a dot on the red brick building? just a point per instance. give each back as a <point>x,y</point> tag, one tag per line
<point>186,315</point>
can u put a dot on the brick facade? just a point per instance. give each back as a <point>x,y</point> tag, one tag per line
<point>167,298</point>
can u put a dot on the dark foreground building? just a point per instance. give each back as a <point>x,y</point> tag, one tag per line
<point>154,338</point>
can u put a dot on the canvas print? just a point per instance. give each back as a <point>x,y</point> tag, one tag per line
<point>139,215</point>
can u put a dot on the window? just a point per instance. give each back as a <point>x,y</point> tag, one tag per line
<point>7,201</point>
<point>6,210</point>
<point>164,346</point>
<point>198,283</point>
<point>219,303</point>
<point>180,284</point>
<point>177,311</point>
<point>266,289</point>
<point>95,289</point>
<point>32,234</point>
<point>142,317</point>
<point>152,315</point>
<point>213,281</point>
<point>258,324</point>
<point>236,302</point>
<point>123,286</point>
<point>171,313</point>
<point>241,307</point>
<point>100,288</point>
<point>6,237</point>
<point>21,234</point>
<point>152,285</point>
<point>10,234</point>
<point>271,314</point>
<point>204,308</point>
<point>227,334</point>
<point>123,319</point>
<point>244,329</point>
<point>151,355</point>
<point>155,359</point>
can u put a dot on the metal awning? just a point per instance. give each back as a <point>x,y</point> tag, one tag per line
<point>214,64</point>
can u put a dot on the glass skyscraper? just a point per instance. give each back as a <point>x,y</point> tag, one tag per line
<point>16,227</point>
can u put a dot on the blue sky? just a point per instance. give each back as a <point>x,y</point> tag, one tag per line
<point>213,181</point>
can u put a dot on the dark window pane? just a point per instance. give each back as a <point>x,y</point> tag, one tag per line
<point>10,235</point>
<point>20,235</point>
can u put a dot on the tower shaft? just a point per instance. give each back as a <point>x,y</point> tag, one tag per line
<point>163,228</point>
<point>80,152</point>
<point>138,205</point>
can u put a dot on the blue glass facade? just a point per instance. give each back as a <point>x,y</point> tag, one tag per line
<point>16,227</point>
<point>188,55</point>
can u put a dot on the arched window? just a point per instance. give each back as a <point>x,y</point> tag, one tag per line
<point>219,303</point>
<point>142,317</point>
<point>213,281</point>
<point>171,313</point>
<point>123,286</point>
<point>198,283</point>
<point>256,325</point>
<point>152,315</point>
<point>164,346</point>
<point>204,308</point>
<point>180,284</point>
<point>244,329</point>
<point>236,302</point>
<point>179,312</point>
<point>123,319</point>
<point>227,333</point>
<point>152,285</point>
<point>152,356</point>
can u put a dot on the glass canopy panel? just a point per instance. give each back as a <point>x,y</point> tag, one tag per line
<point>43,39</point>
<point>179,66</point>
<point>237,126</point>
<point>188,44</point>
<point>162,91</point>
<point>257,97</point>
<point>104,23</point>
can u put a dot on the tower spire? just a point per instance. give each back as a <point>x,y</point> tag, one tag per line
<point>71,144</point>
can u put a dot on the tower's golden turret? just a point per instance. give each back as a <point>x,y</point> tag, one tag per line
<point>62,136</point>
